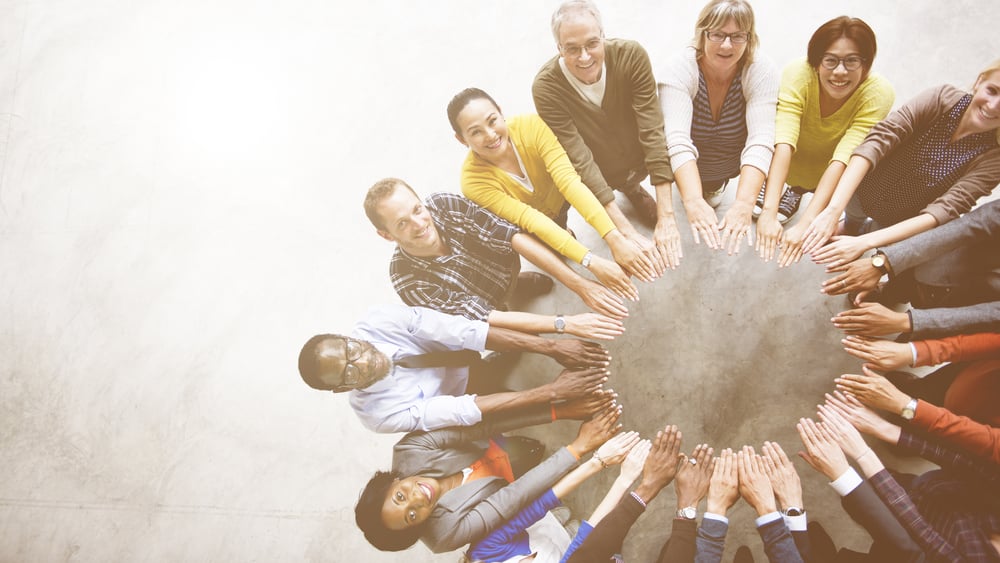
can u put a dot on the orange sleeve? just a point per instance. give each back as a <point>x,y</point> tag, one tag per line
<point>959,348</point>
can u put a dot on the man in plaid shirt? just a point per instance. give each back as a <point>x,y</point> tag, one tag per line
<point>458,258</point>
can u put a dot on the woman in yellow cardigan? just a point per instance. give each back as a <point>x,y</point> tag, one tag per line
<point>518,170</point>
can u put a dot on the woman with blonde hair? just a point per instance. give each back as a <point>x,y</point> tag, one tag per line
<point>718,99</point>
<point>923,166</point>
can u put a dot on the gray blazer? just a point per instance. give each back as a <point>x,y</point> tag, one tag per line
<point>472,510</point>
<point>961,254</point>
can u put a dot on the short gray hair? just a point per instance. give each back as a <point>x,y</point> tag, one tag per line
<point>572,8</point>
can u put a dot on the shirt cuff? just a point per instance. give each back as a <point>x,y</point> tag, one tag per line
<point>847,482</point>
<point>797,523</point>
<point>913,353</point>
<point>767,518</point>
<point>716,517</point>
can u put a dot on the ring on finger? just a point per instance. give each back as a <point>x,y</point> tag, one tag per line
<point>693,461</point>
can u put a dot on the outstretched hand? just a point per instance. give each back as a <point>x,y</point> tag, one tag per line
<point>694,476</point>
<point>614,450</point>
<point>822,452</point>
<point>724,488</point>
<point>784,479</point>
<point>573,384</point>
<point>873,390</point>
<point>597,430</point>
<point>661,464</point>
<point>582,408</point>
<point>573,353</point>
<point>755,486</point>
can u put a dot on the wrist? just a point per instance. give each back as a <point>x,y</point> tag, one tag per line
<point>647,492</point>
<point>685,500</point>
<point>766,508</point>
<point>716,508</point>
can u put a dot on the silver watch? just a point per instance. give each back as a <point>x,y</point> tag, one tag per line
<point>560,324</point>
<point>909,410</point>
<point>586,259</point>
<point>688,513</point>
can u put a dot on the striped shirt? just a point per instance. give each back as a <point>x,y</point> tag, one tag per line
<point>721,142</point>
<point>920,171</point>
<point>471,281</point>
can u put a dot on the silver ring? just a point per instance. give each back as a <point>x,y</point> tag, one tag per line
<point>843,283</point>
<point>693,461</point>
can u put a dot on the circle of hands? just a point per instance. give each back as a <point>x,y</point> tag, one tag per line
<point>767,480</point>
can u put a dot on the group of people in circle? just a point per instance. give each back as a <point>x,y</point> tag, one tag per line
<point>902,183</point>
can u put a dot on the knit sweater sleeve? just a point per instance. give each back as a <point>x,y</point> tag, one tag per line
<point>552,108</point>
<point>792,97</point>
<point>678,87</point>
<point>483,184</point>
<point>566,179</point>
<point>648,113</point>
<point>875,99</point>
<point>914,115</point>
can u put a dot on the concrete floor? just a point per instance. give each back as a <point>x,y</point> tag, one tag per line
<point>180,208</point>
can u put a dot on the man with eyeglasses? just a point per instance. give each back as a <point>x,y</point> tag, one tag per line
<point>407,368</point>
<point>599,97</point>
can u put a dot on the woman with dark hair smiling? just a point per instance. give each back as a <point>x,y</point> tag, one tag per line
<point>827,104</point>
<point>517,169</point>
<point>450,486</point>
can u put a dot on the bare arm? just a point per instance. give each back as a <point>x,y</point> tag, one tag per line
<point>593,294</point>
<point>701,216</point>
<point>768,228</point>
<point>736,223</point>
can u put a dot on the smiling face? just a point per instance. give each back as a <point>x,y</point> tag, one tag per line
<point>581,44</point>
<point>409,502</point>
<point>482,128</point>
<point>345,364</point>
<point>408,223</point>
<point>839,83</point>
<point>724,57</point>
<point>983,113</point>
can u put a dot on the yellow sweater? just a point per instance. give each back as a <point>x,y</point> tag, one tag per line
<point>817,141</point>
<point>555,182</point>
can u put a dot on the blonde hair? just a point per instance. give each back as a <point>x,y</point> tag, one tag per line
<point>715,14</point>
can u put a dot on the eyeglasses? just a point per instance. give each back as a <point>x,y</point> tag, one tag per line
<point>831,62</point>
<point>576,50</point>
<point>738,38</point>
<point>352,353</point>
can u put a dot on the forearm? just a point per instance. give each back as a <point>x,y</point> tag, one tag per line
<point>549,262</point>
<point>848,182</point>
<point>619,219</point>
<point>825,191</point>
<point>502,339</point>
<point>529,323</point>
<point>751,180</point>
<point>664,200</point>
<point>512,400</point>
<point>776,177</point>
<point>688,183</point>
<point>899,231</point>
<point>570,482</point>
<point>618,489</point>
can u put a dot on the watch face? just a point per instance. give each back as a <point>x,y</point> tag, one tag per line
<point>560,324</point>
<point>878,261</point>
<point>908,414</point>
<point>689,512</point>
<point>793,512</point>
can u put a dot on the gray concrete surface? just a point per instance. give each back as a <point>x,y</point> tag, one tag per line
<point>180,192</point>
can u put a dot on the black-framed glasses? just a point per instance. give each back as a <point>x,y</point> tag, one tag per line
<point>737,38</point>
<point>576,50</point>
<point>850,62</point>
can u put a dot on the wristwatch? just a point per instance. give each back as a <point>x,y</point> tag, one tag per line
<point>879,262</point>
<point>688,513</point>
<point>793,511</point>
<point>586,260</point>
<point>560,324</point>
<point>909,410</point>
